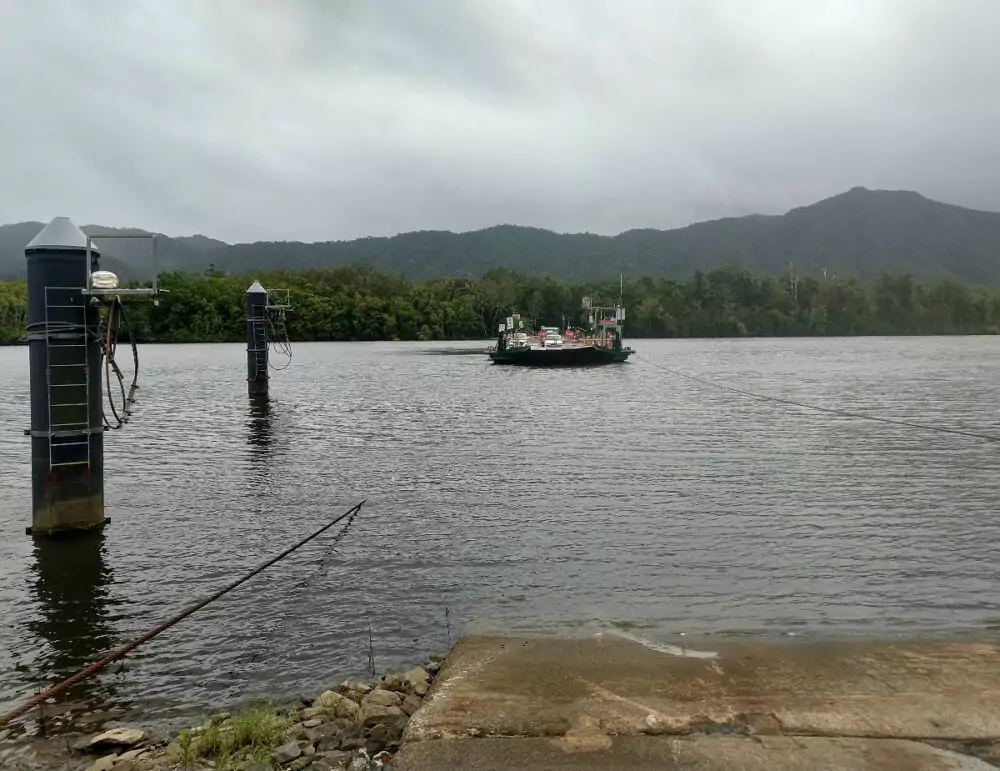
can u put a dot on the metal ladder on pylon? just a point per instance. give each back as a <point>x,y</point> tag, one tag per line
<point>258,327</point>
<point>67,375</point>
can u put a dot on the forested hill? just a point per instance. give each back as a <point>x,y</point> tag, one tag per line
<point>861,232</point>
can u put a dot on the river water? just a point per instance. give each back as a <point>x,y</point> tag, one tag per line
<point>616,500</point>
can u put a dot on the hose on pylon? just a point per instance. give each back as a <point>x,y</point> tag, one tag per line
<point>117,319</point>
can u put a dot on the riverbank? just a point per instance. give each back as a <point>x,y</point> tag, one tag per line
<point>503,703</point>
<point>354,726</point>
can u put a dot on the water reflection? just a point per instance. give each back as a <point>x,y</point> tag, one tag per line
<point>260,428</point>
<point>260,424</point>
<point>71,582</point>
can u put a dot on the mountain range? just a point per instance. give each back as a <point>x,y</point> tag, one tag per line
<point>861,232</point>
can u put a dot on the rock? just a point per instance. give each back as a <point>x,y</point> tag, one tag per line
<point>286,753</point>
<point>330,729</point>
<point>351,738</point>
<point>219,717</point>
<point>396,731</point>
<point>418,680</point>
<point>373,714</point>
<point>258,767</point>
<point>328,743</point>
<point>386,736</point>
<point>410,705</point>
<point>132,754</point>
<point>353,686</point>
<point>336,758</point>
<point>360,763</point>
<point>297,731</point>
<point>104,764</point>
<point>351,730</point>
<point>116,737</point>
<point>312,722</point>
<point>382,698</point>
<point>393,735</point>
<point>333,761</point>
<point>354,743</point>
<point>386,733</point>
<point>345,737</point>
<point>334,704</point>
<point>377,737</point>
<point>300,763</point>
<point>433,666</point>
<point>392,683</point>
<point>381,759</point>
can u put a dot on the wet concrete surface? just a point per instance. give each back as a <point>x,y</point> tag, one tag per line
<point>608,702</point>
<point>643,753</point>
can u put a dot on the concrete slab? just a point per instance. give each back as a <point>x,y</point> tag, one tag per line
<point>493,686</point>
<point>644,753</point>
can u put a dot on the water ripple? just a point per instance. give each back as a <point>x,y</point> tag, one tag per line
<point>521,501</point>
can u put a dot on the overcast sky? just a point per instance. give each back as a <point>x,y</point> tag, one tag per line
<point>259,120</point>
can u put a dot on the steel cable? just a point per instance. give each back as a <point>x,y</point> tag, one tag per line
<point>125,649</point>
<point>818,408</point>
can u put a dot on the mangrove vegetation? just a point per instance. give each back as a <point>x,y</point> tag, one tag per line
<point>362,303</point>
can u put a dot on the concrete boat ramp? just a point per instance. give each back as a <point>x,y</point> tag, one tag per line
<point>611,703</point>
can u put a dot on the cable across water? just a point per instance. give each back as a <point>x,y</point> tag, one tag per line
<point>817,408</point>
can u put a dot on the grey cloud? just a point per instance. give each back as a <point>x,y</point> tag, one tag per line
<point>321,120</point>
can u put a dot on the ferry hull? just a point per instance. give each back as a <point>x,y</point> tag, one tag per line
<point>576,356</point>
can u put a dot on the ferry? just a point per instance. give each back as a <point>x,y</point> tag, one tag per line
<point>600,343</point>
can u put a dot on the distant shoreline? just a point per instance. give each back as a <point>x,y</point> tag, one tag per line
<point>903,335</point>
<point>362,304</point>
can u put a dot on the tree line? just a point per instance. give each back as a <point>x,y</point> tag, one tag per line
<point>361,303</point>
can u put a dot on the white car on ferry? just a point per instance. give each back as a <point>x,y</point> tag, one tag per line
<point>551,338</point>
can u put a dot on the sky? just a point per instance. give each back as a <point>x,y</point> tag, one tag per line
<point>252,120</point>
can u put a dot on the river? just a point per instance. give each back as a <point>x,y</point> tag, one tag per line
<point>617,500</point>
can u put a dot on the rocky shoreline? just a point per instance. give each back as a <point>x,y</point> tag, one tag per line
<point>356,726</point>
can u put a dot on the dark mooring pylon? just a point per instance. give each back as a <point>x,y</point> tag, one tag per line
<point>64,351</point>
<point>67,344</point>
<point>265,327</point>
<point>257,359</point>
